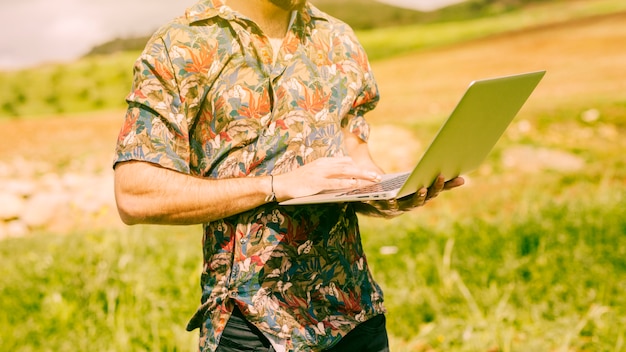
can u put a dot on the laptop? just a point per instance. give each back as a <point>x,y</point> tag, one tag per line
<point>463,142</point>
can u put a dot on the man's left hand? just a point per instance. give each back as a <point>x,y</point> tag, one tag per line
<point>394,207</point>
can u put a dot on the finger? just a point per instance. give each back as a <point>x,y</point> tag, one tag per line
<point>354,172</point>
<point>344,168</point>
<point>453,183</point>
<point>417,199</point>
<point>342,183</point>
<point>436,187</point>
<point>423,195</point>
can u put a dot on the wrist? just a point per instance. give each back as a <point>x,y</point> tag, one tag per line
<point>279,188</point>
<point>271,195</point>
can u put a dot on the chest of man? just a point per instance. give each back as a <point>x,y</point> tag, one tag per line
<point>274,110</point>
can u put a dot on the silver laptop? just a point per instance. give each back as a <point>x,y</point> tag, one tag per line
<point>463,142</point>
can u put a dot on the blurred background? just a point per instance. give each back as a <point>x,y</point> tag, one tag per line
<point>528,256</point>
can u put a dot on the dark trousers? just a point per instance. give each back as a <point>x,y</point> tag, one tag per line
<point>241,336</point>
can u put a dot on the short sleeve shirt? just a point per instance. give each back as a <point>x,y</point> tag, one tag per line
<point>209,100</point>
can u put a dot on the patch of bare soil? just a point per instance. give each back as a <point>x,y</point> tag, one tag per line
<point>56,174</point>
<point>62,140</point>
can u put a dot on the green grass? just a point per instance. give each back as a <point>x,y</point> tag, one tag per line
<point>94,83</point>
<point>548,275</point>
<point>107,291</point>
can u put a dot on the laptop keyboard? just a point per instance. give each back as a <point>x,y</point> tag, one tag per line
<point>384,186</point>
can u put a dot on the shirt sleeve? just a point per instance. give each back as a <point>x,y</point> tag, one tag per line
<point>155,128</point>
<point>366,99</point>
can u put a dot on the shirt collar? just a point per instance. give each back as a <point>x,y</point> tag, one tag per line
<point>305,21</point>
<point>207,9</point>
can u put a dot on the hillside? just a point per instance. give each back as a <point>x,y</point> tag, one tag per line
<point>369,14</point>
<point>373,15</point>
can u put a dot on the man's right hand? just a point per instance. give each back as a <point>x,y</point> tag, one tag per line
<point>324,174</point>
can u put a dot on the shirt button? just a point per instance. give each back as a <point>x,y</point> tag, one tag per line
<point>235,271</point>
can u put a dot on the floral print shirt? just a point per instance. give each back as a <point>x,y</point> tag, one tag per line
<point>209,100</point>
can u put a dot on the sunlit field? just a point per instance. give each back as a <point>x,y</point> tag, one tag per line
<point>530,255</point>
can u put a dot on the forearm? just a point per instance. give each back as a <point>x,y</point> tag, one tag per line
<point>148,194</point>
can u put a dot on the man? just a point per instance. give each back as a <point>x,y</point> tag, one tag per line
<point>236,106</point>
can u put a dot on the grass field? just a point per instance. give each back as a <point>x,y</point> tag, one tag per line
<point>529,256</point>
<point>546,276</point>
